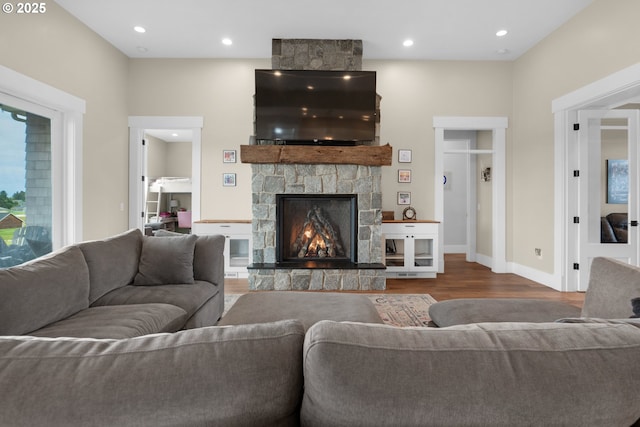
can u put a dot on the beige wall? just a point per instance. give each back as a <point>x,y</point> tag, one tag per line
<point>597,42</point>
<point>415,91</point>
<point>56,49</point>
<point>221,91</point>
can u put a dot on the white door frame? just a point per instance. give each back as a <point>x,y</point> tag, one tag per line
<point>498,126</point>
<point>613,90</point>
<point>66,150</point>
<point>137,126</point>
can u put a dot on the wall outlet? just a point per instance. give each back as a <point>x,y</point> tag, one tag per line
<point>538,252</point>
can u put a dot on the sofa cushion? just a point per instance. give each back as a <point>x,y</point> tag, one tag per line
<point>117,321</point>
<point>189,298</point>
<point>166,260</point>
<point>233,376</point>
<point>482,374</point>
<point>113,262</point>
<point>612,285</point>
<point>42,291</point>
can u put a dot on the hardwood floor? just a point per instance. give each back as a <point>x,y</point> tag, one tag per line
<point>461,280</point>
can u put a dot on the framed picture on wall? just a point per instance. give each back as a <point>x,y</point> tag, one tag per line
<point>404,197</point>
<point>228,156</point>
<point>404,175</point>
<point>404,156</point>
<point>229,179</point>
<point>617,182</point>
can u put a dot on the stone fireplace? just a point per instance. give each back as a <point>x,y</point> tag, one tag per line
<point>333,240</point>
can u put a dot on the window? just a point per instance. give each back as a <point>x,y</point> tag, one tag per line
<point>51,167</point>
<point>25,185</point>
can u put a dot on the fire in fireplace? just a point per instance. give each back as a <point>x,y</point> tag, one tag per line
<point>316,228</point>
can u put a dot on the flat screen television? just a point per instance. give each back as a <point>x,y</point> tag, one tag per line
<point>315,107</point>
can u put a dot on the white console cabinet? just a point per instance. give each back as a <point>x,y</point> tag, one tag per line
<point>237,245</point>
<point>411,248</point>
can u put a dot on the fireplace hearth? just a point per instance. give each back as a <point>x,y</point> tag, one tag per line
<point>316,228</point>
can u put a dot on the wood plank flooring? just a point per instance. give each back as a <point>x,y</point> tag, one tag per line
<point>461,280</point>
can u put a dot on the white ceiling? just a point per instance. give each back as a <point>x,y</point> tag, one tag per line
<point>441,29</point>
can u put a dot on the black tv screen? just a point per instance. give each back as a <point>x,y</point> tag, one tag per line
<point>303,106</point>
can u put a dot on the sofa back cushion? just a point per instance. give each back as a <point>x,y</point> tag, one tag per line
<point>248,375</point>
<point>612,285</point>
<point>481,374</point>
<point>112,262</point>
<point>43,291</point>
<point>166,260</point>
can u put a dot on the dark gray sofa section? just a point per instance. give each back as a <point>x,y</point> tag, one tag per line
<point>491,374</point>
<point>121,287</point>
<point>247,375</point>
<point>612,285</point>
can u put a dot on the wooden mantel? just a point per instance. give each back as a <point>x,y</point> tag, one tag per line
<point>377,155</point>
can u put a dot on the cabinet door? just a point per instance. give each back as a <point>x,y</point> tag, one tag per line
<point>238,251</point>
<point>423,253</point>
<point>394,245</point>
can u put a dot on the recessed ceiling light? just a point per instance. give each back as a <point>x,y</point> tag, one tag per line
<point>502,51</point>
<point>501,33</point>
<point>174,134</point>
<point>141,49</point>
<point>227,41</point>
<point>139,29</point>
<point>407,43</point>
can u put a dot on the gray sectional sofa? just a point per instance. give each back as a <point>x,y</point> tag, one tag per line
<point>579,372</point>
<point>125,286</point>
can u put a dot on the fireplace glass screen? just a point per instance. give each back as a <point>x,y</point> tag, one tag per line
<point>316,227</point>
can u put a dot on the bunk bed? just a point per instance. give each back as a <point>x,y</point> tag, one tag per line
<point>154,200</point>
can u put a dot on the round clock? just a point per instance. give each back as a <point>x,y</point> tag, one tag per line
<point>409,213</point>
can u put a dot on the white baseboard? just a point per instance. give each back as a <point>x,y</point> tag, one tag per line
<point>455,249</point>
<point>485,260</point>
<point>541,277</point>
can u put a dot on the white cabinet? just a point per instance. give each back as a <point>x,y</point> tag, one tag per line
<point>411,248</point>
<point>237,245</point>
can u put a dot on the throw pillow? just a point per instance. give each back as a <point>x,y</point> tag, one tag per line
<point>166,260</point>
<point>635,305</point>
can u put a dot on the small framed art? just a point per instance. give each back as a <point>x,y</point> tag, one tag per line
<point>404,198</point>
<point>228,156</point>
<point>404,156</point>
<point>229,179</point>
<point>617,181</point>
<point>404,175</point>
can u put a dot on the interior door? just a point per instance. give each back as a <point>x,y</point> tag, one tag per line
<point>608,171</point>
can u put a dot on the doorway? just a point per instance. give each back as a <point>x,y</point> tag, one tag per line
<point>495,128</point>
<point>177,190</point>
<point>578,124</point>
<point>458,190</point>
<point>608,205</point>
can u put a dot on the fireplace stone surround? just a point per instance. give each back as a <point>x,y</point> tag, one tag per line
<point>321,171</point>
<point>270,180</point>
